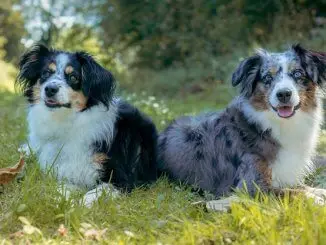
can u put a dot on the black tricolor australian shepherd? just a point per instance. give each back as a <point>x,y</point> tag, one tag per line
<point>78,128</point>
<point>266,136</point>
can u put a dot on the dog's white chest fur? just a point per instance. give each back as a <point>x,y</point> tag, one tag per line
<point>298,138</point>
<point>62,140</point>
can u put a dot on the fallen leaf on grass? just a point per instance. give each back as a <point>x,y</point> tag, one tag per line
<point>94,234</point>
<point>28,228</point>
<point>17,234</point>
<point>91,233</point>
<point>62,230</point>
<point>8,174</point>
<point>129,233</point>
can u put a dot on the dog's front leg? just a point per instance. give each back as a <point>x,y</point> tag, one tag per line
<point>66,189</point>
<point>103,189</point>
<point>318,195</point>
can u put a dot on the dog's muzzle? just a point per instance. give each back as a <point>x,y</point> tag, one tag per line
<point>50,100</point>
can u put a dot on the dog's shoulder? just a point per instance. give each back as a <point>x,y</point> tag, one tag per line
<point>130,118</point>
<point>132,154</point>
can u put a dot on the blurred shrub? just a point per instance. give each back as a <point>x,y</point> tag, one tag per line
<point>83,38</point>
<point>166,33</point>
<point>2,50</point>
<point>7,76</point>
<point>176,32</point>
<point>11,31</point>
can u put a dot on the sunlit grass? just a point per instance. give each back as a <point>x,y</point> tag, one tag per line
<point>161,214</point>
<point>7,71</point>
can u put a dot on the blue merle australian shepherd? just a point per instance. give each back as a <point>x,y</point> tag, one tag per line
<point>79,129</point>
<point>266,137</point>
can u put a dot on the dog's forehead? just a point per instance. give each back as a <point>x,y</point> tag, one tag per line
<point>64,62</point>
<point>272,62</point>
<point>61,61</point>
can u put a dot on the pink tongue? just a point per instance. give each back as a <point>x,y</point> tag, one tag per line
<point>285,111</point>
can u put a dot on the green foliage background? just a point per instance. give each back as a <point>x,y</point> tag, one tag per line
<point>170,57</point>
<point>169,48</point>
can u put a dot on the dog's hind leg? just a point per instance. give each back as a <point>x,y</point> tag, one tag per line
<point>66,191</point>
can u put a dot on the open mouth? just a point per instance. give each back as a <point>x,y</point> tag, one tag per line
<point>286,111</point>
<point>55,104</point>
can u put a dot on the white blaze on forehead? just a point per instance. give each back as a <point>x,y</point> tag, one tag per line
<point>62,96</point>
<point>284,63</point>
<point>284,81</point>
<point>61,61</point>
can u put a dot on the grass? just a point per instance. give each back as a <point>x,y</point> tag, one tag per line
<point>161,214</point>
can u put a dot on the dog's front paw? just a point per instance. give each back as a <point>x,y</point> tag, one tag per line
<point>221,205</point>
<point>318,195</point>
<point>93,195</point>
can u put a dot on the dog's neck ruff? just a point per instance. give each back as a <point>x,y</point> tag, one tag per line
<point>63,140</point>
<point>297,137</point>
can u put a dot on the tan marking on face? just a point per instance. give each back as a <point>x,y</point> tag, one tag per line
<point>77,99</point>
<point>36,93</point>
<point>259,99</point>
<point>69,70</point>
<point>308,97</point>
<point>273,70</point>
<point>100,158</point>
<point>53,67</point>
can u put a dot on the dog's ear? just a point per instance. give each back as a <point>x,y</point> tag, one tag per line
<point>247,74</point>
<point>30,67</point>
<point>98,84</point>
<point>314,63</point>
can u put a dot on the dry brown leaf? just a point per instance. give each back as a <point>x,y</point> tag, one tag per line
<point>90,233</point>
<point>8,174</point>
<point>28,228</point>
<point>17,234</point>
<point>94,234</point>
<point>129,233</point>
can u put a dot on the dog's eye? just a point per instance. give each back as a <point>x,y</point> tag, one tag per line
<point>297,74</point>
<point>46,74</point>
<point>73,79</point>
<point>268,79</point>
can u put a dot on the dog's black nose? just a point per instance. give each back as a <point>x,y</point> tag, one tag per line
<point>51,90</point>
<point>284,96</point>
